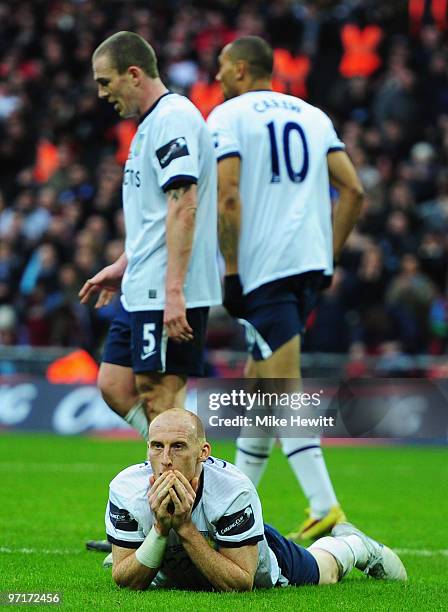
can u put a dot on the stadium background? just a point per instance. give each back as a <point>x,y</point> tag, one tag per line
<point>380,69</point>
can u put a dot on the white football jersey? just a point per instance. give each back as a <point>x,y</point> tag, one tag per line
<point>227,512</point>
<point>283,144</point>
<point>171,143</point>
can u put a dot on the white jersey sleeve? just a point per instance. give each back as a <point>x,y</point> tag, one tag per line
<point>242,522</point>
<point>176,150</point>
<point>123,527</point>
<point>223,138</point>
<point>334,142</point>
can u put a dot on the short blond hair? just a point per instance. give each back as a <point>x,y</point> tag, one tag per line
<point>126,49</point>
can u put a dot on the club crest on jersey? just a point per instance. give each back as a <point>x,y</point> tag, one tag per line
<point>172,150</point>
<point>236,523</point>
<point>121,519</point>
<point>138,145</point>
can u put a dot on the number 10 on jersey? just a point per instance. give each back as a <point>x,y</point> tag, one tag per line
<point>296,175</point>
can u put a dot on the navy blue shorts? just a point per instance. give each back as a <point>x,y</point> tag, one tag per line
<point>296,564</point>
<point>277,311</point>
<point>137,340</point>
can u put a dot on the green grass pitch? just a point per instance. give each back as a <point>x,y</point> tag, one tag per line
<point>53,492</point>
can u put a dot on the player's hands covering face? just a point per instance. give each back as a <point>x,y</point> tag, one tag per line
<point>160,501</point>
<point>171,500</point>
<point>182,495</point>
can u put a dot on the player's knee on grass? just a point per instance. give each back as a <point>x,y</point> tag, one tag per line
<point>160,392</point>
<point>329,572</point>
<point>117,386</point>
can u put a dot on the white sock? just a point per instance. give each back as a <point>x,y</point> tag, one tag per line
<point>340,550</point>
<point>359,550</point>
<point>252,455</point>
<point>136,417</point>
<point>308,464</point>
<point>348,551</point>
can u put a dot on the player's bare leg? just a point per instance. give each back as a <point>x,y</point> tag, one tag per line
<point>160,392</point>
<point>117,386</point>
<point>252,454</point>
<point>283,363</point>
<point>329,572</point>
<point>304,454</point>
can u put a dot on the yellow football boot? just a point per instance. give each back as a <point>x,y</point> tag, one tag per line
<point>313,528</point>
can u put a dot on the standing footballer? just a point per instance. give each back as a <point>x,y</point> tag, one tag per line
<point>276,157</point>
<point>169,272</point>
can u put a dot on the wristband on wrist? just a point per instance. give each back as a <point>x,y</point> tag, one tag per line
<point>152,550</point>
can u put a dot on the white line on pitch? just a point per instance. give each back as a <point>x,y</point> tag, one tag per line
<point>40,551</point>
<point>57,467</point>
<point>416,552</point>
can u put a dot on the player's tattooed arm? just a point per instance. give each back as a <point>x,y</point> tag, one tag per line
<point>180,224</point>
<point>229,211</point>
<point>176,193</point>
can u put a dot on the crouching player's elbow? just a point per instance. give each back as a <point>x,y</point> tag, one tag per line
<point>240,585</point>
<point>235,588</point>
<point>246,586</point>
<point>129,582</point>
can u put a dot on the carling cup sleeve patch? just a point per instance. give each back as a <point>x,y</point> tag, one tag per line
<point>121,519</point>
<point>236,523</point>
<point>172,150</point>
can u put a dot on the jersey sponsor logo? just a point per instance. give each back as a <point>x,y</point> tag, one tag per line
<point>122,519</point>
<point>132,177</point>
<point>236,523</point>
<point>172,150</point>
<point>146,355</point>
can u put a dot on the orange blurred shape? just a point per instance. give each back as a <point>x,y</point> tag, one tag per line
<point>360,57</point>
<point>76,367</point>
<point>290,73</point>
<point>205,96</point>
<point>439,10</point>
<point>47,161</point>
<point>124,133</point>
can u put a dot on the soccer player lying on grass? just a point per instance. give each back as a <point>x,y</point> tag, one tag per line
<point>188,520</point>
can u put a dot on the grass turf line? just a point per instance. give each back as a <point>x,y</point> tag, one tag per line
<point>53,492</point>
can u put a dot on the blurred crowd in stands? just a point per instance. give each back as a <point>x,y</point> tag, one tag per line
<point>379,68</point>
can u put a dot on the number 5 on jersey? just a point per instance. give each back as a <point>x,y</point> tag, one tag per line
<point>290,128</point>
<point>149,341</point>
